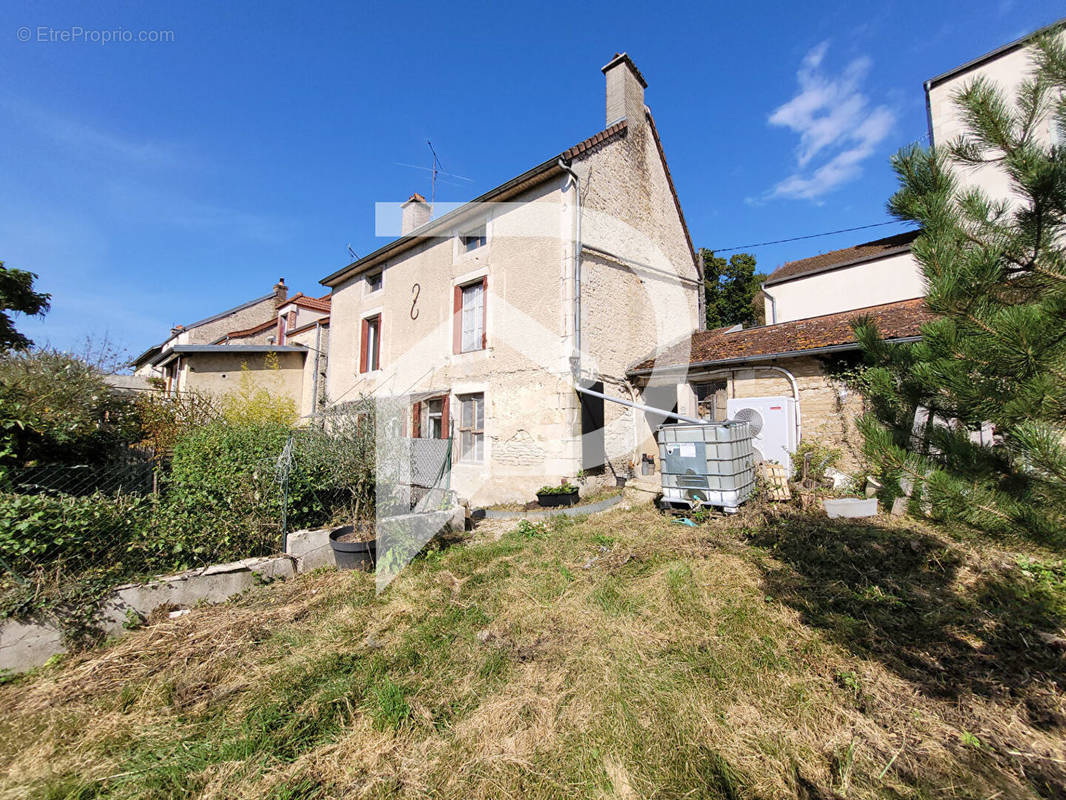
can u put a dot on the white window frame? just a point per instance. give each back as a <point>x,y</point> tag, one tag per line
<point>367,315</point>
<point>477,401</point>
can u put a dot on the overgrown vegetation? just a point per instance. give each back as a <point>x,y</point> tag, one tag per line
<point>995,356</point>
<point>770,655</point>
<point>222,492</point>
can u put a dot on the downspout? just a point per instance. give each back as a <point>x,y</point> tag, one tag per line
<point>318,355</point>
<point>575,358</point>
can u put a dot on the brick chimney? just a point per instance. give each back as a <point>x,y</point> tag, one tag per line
<point>625,90</point>
<point>281,293</point>
<point>416,213</point>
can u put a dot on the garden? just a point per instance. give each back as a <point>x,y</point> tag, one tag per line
<point>99,488</point>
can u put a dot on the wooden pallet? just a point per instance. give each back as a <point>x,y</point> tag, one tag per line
<point>776,477</point>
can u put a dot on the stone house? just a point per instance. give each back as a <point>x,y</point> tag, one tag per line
<point>279,341</point>
<point>490,322</point>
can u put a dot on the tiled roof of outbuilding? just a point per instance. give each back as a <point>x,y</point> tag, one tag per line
<point>895,321</point>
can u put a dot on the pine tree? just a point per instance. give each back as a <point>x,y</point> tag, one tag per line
<point>995,270</point>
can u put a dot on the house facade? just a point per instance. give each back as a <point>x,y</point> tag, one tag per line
<point>485,321</point>
<point>279,342</point>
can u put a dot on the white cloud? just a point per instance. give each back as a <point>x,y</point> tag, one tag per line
<point>837,127</point>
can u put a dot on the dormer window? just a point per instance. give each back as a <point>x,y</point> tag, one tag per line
<point>474,239</point>
<point>374,282</point>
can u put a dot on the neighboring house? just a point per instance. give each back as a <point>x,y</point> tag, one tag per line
<point>872,273</point>
<point>484,318</point>
<point>1007,67</point>
<point>280,341</point>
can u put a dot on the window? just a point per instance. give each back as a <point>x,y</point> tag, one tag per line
<point>370,353</point>
<point>430,418</point>
<point>474,239</point>
<point>470,317</point>
<point>373,282</point>
<point>472,427</point>
<point>711,400</point>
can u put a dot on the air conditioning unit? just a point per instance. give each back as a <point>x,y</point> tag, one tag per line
<point>773,426</point>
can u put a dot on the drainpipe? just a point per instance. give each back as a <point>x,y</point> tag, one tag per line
<point>314,380</point>
<point>773,304</point>
<point>639,407</point>
<point>575,358</point>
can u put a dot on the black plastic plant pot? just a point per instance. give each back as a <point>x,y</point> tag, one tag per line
<point>553,500</point>
<point>352,555</point>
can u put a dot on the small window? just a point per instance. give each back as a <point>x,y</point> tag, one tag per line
<point>472,317</point>
<point>711,400</point>
<point>374,282</point>
<point>370,354</point>
<point>472,428</point>
<point>474,239</point>
<point>433,419</point>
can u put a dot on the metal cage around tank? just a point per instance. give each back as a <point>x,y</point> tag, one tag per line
<point>710,464</point>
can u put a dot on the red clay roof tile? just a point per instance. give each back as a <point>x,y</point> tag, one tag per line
<point>895,321</point>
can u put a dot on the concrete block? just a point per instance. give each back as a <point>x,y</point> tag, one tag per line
<point>24,645</point>
<point>311,549</point>
<point>212,584</point>
<point>851,507</point>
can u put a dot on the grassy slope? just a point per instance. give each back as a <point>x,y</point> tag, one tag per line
<point>621,656</point>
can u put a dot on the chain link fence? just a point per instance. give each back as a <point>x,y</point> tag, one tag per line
<point>79,480</point>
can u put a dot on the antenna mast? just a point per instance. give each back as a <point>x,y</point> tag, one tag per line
<point>437,166</point>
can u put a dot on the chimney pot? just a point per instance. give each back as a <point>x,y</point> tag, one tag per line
<point>416,212</point>
<point>625,90</point>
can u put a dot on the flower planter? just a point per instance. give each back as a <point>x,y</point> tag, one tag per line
<point>352,555</point>
<point>555,499</point>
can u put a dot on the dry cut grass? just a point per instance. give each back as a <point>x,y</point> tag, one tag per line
<point>622,656</point>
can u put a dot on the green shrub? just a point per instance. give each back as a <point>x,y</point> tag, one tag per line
<point>566,488</point>
<point>823,457</point>
<point>38,531</point>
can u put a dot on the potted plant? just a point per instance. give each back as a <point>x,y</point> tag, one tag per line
<point>552,496</point>
<point>354,546</point>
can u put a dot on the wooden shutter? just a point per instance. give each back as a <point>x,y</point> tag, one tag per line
<point>362,345</point>
<point>416,421</point>
<point>457,321</point>
<point>484,311</point>
<point>445,430</point>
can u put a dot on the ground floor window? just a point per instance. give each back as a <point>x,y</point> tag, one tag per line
<point>429,418</point>
<point>711,400</point>
<point>472,427</point>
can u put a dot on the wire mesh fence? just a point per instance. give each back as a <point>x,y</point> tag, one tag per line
<point>78,480</point>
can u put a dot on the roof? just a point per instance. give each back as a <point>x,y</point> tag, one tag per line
<point>526,180</point>
<point>262,326</point>
<point>828,333</point>
<point>314,303</point>
<point>228,349</point>
<point>147,354</point>
<point>846,257</point>
<point>229,311</point>
<point>993,54</point>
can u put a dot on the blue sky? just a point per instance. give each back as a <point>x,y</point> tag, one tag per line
<point>155,183</point>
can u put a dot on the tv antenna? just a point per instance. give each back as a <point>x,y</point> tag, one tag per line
<point>437,167</point>
<point>351,253</point>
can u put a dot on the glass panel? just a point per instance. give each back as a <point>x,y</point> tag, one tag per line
<point>479,447</point>
<point>473,312</point>
<point>466,443</point>
<point>467,412</point>
<point>480,401</point>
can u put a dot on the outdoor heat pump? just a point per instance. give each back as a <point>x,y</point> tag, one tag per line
<point>772,421</point>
